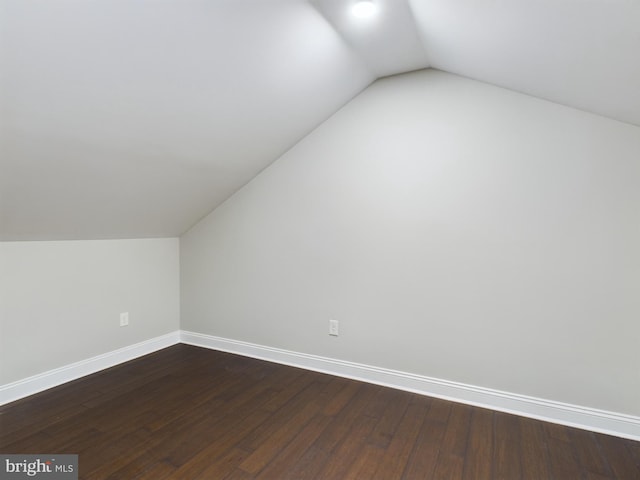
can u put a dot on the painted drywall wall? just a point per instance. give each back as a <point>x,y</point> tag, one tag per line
<point>455,229</point>
<point>61,301</point>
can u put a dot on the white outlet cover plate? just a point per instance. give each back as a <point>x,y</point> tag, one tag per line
<point>333,328</point>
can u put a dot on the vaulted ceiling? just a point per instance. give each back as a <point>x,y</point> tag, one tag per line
<point>135,118</point>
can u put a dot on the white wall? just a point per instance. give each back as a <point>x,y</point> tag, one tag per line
<point>457,230</point>
<point>60,302</point>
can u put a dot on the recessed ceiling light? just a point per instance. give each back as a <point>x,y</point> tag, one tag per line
<point>364,9</point>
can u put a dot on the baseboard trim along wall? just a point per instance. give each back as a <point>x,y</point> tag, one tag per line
<point>611,423</point>
<point>43,381</point>
<point>620,425</point>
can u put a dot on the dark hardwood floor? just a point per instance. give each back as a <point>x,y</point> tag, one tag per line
<point>190,413</point>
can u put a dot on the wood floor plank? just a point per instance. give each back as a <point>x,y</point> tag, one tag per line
<point>384,430</point>
<point>506,447</point>
<point>557,432</point>
<point>349,448</point>
<point>589,454</point>
<point>617,454</point>
<point>449,467</point>
<point>98,461</point>
<point>239,474</point>
<point>280,436</point>
<point>340,399</point>
<point>455,439</point>
<point>365,464</point>
<point>297,381</point>
<point>422,463</point>
<point>563,461</point>
<point>397,455</point>
<point>304,400</point>
<point>221,467</point>
<point>215,426</point>
<point>534,453</point>
<point>439,410</point>
<point>344,427</point>
<point>158,471</point>
<point>141,467</point>
<point>229,433</point>
<point>280,465</point>
<point>477,462</point>
<point>596,476</point>
<point>634,448</point>
<point>451,458</point>
<point>127,447</point>
<point>188,413</point>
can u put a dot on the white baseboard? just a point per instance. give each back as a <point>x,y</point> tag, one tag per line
<point>611,423</point>
<point>620,425</point>
<point>37,383</point>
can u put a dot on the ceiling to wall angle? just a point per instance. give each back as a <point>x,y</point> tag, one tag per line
<point>136,119</point>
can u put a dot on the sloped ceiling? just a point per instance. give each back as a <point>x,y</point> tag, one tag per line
<point>134,118</point>
<point>123,119</point>
<point>581,53</point>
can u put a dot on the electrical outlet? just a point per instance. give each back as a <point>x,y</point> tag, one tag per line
<point>124,319</point>
<point>333,328</point>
